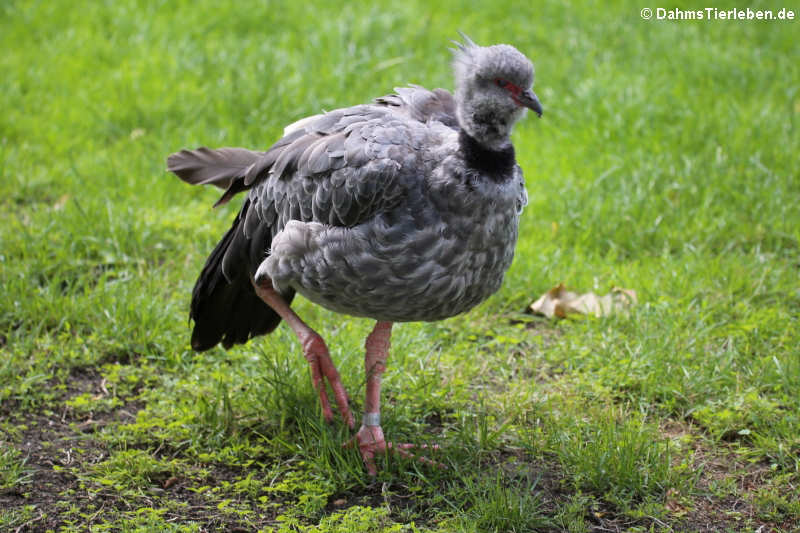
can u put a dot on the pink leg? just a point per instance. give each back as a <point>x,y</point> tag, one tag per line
<point>315,352</point>
<point>370,437</point>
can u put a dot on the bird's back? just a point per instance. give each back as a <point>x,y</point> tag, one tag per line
<point>414,230</point>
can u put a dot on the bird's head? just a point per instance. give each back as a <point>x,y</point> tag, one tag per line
<point>493,90</point>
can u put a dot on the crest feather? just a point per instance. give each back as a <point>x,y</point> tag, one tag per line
<point>464,51</point>
<point>464,56</point>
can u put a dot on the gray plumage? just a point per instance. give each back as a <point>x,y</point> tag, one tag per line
<point>404,209</point>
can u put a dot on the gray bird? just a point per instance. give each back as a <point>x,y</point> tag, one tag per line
<point>400,210</point>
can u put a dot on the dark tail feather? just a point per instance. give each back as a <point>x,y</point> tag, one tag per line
<point>225,307</point>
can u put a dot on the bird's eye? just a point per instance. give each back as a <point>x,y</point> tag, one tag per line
<point>500,82</point>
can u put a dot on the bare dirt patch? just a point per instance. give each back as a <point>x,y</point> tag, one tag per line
<point>722,499</point>
<point>61,446</point>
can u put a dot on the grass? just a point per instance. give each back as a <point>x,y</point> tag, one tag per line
<point>666,162</point>
<point>13,473</point>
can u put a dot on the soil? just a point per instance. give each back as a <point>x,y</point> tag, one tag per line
<point>60,445</point>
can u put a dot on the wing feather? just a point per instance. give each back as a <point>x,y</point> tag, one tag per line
<point>204,166</point>
<point>338,168</point>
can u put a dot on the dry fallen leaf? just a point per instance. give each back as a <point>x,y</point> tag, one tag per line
<point>560,302</point>
<point>61,202</point>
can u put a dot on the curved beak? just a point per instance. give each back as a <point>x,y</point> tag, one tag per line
<point>529,99</point>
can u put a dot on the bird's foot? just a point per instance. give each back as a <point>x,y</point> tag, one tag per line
<point>322,368</point>
<point>371,442</point>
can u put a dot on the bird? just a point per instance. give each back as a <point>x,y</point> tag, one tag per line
<point>403,209</point>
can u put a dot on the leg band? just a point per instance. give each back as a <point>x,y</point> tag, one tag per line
<point>371,419</point>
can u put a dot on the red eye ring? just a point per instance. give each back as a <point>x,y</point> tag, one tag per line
<point>511,88</point>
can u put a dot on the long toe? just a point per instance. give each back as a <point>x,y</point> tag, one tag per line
<point>339,393</point>
<point>322,369</point>
<point>371,443</point>
<point>319,385</point>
